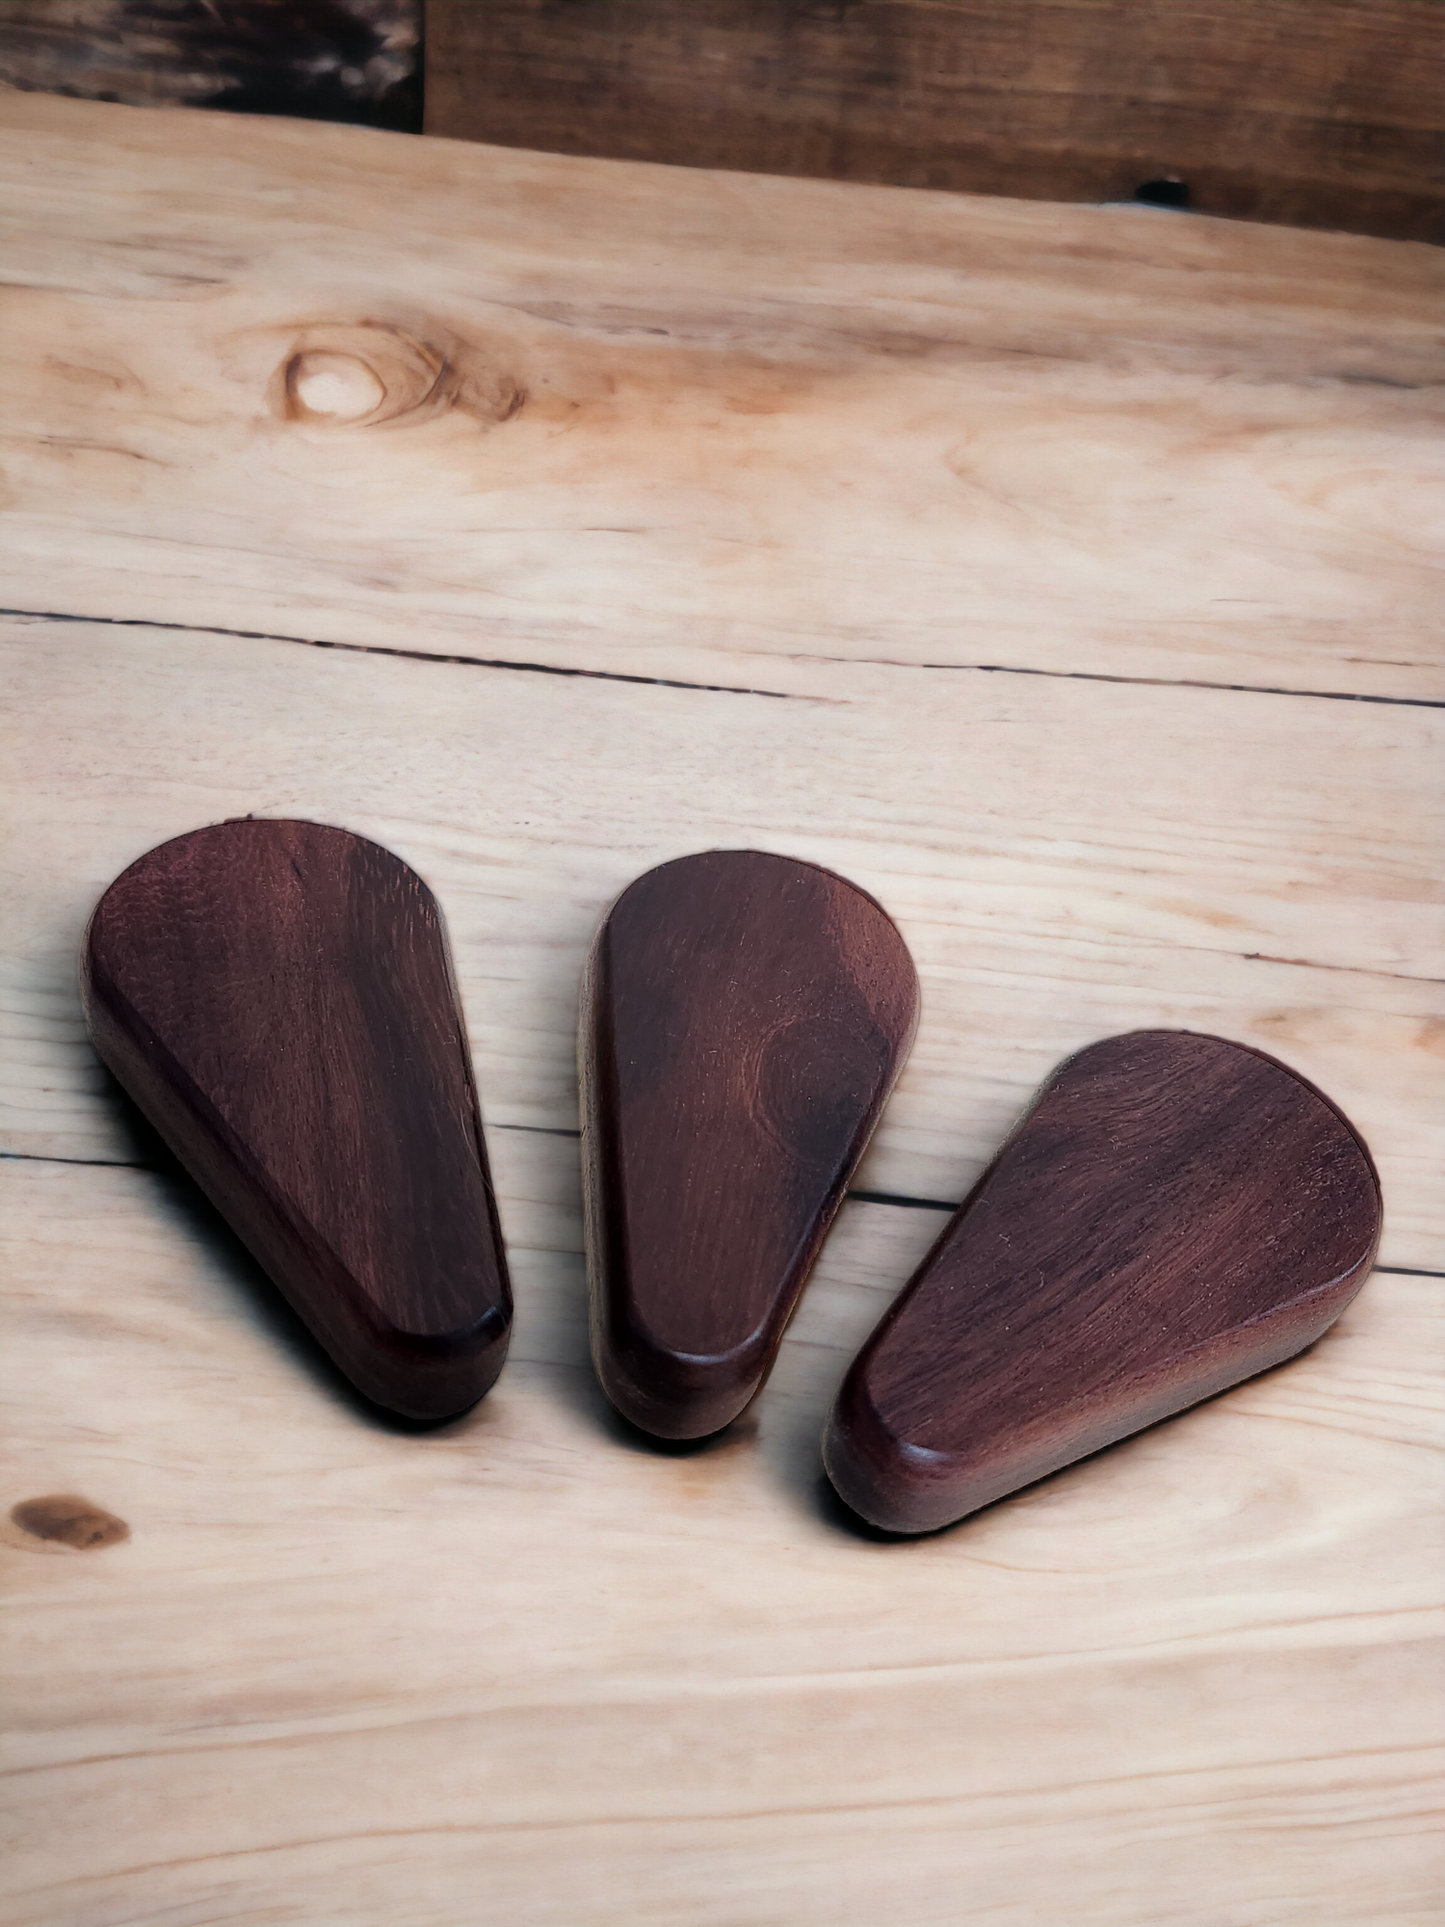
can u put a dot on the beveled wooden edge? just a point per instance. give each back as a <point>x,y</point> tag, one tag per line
<point>906,1490</point>
<point>452,1371</point>
<point>630,1393</point>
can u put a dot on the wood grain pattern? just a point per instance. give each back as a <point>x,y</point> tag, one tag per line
<point>278,999</point>
<point>353,60</point>
<point>764,428</point>
<point>1198,1677</point>
<point>340,1672</point>
<point>1064,857</point>
<point>1329,116</point>
<point>744,1017</point>
<point>1174,1215</point>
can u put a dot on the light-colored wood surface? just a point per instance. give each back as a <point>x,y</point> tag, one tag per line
<point>523,1671</point>
<point>764,424</point>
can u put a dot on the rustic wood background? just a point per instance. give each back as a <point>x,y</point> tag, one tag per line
<point>1323,113</point>
<point>356,60</point>
<point>1068,577</point>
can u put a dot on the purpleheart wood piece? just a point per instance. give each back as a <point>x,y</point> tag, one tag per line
<point>278,999</point>
<point>1174,1214</point>
<point>743,1020</point>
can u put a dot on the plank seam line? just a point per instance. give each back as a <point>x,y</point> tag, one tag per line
<point>728,689</point>
<point>1139,682</point>
<point>46,1157</point>
<point>1191,682</point>
<point>894,1198</point>
<point>413,655</point>
<point>904,1202</point>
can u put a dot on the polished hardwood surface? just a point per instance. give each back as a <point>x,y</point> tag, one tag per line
<point>744,1017</point>
<point>1174,1214</point>
<point>979,492</point>
<point>278,998</point>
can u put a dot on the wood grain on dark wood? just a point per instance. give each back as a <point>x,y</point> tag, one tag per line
<point>1176,1213</point>
<point>1325,115</point>
<point>743,1020</point>
<point>349,60</point>
<point>278,999</point>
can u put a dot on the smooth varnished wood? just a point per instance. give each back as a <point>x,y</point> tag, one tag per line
<point>744,1018</point>
<point>278,999</point>
<point>1175,1214</point>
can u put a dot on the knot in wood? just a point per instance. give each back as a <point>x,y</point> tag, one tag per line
<point>363,374</point>
<point>322,386</point>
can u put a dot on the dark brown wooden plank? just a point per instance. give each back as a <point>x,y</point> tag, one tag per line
<point>743,1021</point>
<point>350,60</point>
<point>1321,113</point>
<point>278,999</point>
<point>1175,1214</point>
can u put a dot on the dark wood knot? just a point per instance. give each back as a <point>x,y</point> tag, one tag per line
<point>63,1519</point>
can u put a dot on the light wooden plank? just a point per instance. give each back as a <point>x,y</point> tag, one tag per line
<point>1066,859</point>
<point>340,1672</point>
<point>705,426</point>
<point>521,1671</point>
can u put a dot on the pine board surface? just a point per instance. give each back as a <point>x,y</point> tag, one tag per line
<point>716,428</point>
<point>522,1670</point>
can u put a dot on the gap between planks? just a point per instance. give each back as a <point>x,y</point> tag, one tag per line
<point>723,689</point>
<point>887,1198</point>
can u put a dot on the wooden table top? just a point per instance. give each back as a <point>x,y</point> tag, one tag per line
<point>1065,577</point>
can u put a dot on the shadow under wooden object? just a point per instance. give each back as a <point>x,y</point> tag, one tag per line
<point>798,437</point>
<point>351,60</point>
<point>1323,114</point>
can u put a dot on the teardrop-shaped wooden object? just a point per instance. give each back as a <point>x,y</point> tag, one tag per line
<point>743,1020</point>
<point>1174,1214</point>
<point>278,999</point>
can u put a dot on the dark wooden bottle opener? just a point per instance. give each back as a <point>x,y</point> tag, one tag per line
<point>744,1018</point>
<point>1174,1214</point>
<point>278,999</point>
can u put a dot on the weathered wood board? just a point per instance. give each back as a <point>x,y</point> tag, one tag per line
<point>1066,859</point>
<point>352,60</point>
<point>526,1672</point>
<point>590,597</point>
<point>694,426</point>
<point>1327,115</point>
